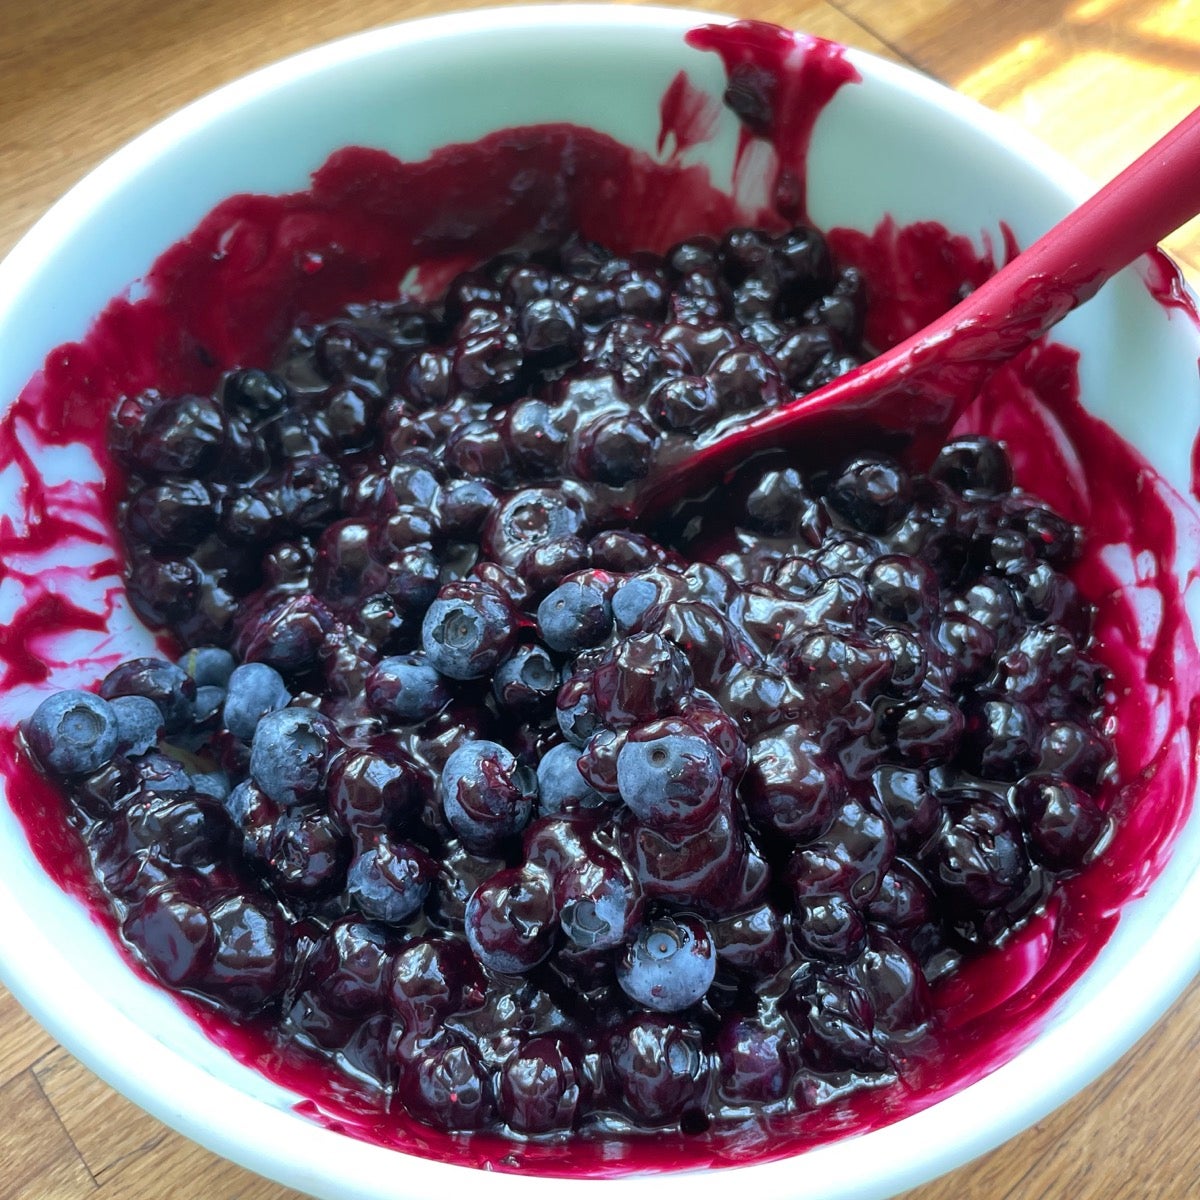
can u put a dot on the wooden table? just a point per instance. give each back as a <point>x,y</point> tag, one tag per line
<point>1097,79</point>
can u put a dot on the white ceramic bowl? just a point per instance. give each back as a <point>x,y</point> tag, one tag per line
<point>896,143</point>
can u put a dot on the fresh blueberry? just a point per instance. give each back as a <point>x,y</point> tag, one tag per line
<point>670,781</point>
<point>406,687</point>
<point>630,602</point>
<point>139,724</point>
<point>254,690</point>
<point>390,881</point>
<point>209,666</point>
<point>486,795</point>
<point>669,965</point>
<point>212,783</point>
<point>468,630</point>
<point>210,702</point>
<point>290,754</point>
<point>73,733</point>
<point>574,616</point>
<point>561,787</point>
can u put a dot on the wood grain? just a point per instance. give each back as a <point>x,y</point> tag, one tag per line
<point>1096,79</point>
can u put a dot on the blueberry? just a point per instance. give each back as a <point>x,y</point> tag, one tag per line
<point>540,1086</point>
<point>871,494</point>
<point>669,965</point>
<point>390,881</point>
<point>254,690</point>
<point>407,687</point>
<point>574,616</point>
<point>468,630</point>
<point>305,854</point>
<point>974,466</point>
<point>209,666</point>
<point>290,754</point>
<point>169,686</point>
<point>576,711</point>
<point>671,781</point>
<point>73,733</point>
<point>525,682</point>
<point>561,787</point>
<point>631,601</point>
<point>486,796</point>
<point>139,724</point>
<point>510,920</point>
<point>660,1068</point>
<point>209,704</point>
<point>211,783</point>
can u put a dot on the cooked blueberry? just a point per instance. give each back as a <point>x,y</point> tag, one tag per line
<point>973,465</point>
<point>671,781</point>
<point>526,682</point>
<point>171,688</point>
<point>540,1087</point>
<point>390,881</point>
<point>660,1068</point>
<point>173,935</point>
<point>510,920</point>
<point>1062,821</point>
<point>254,689</point>
<point>486,795</point>
<point>670,965</point>
<point>257,393</point>
<point>290,754</point>
<point>73,733</point>
<point>871,494</point>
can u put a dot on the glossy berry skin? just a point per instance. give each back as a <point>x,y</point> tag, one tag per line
<point>540,1087</point>
<point>73,733</point>
<point>468,630</point>
<point>448,1087</point>
<point>170,687</point>
<point>510,920</point>
<point>671,781</point>
<point>291,753</point>
<point>174,935</point>
<point>640,678</point>
<point>486,796</point>
<point>430,980</point>
<point>669,965</point>
<point>1064,823</point>
<point>755,1061</point>
<point>660,1068</point>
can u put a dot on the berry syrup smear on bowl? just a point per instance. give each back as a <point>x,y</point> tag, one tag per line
<point>504,832</point>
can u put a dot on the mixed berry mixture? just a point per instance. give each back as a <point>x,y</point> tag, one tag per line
<point>528,821</point>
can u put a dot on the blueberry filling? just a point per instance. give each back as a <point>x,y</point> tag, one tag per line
<point>529,822</point>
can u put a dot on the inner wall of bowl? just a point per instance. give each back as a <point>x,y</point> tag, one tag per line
<point>269,132</point>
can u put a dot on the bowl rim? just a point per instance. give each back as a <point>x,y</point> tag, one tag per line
<point>308,1156</point>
